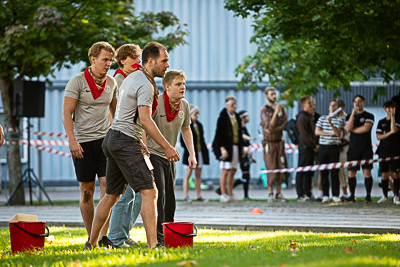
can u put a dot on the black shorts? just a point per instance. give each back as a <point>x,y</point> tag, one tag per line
<point>355,155</point>
<point>125,164</point>
<point>393,165</point>
<point>93,162</point>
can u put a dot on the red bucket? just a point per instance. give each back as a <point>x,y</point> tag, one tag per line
<point>27,235</point>
<point>179,234</point>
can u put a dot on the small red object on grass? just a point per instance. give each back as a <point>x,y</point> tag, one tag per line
<point>256,211</point>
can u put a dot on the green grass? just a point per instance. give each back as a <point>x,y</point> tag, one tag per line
<point>217,248</point>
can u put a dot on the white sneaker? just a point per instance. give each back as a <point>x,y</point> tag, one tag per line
<point>325,199</point>
<point>224,198</point>
<point>279,197</point>
<point>271,198</point>
<point>336,199</point>
<point>383,200</point>
<point>395,200</point>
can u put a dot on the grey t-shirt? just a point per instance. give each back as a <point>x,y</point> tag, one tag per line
<point>91,119</point>
<point>136,90</point>
<point>119,78</point>
<point>170,130</point>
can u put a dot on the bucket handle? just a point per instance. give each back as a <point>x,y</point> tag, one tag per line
<point>183,235</point>
<point>32,234</point>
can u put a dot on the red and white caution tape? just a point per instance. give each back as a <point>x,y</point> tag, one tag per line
<point>50,134</point>
<point>40,142</point>
<point>50,150</point>
<point>330,166</point>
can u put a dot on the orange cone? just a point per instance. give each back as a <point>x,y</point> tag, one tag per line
<point>256,211</point>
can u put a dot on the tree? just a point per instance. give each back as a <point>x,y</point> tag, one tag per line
<point>305,45</point>
<point>38,37</point>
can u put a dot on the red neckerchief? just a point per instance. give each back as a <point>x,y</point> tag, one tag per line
<point>92,85</point>
<point>120,72</point>
<point>136,67</point>
<point>168,112</point>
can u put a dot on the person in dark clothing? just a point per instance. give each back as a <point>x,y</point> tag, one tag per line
<point>359,124</point>
<point>201,151</point>
<point>388,132</point>
<point>248,159</point>
<point>228,147</point>
<point>307,148</point>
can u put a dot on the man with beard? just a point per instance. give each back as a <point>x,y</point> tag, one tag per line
<point>127,156</point>
<point>273,120</point>
<point>90,97</point>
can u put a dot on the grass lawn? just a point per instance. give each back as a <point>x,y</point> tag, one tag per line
<point>216,248</point>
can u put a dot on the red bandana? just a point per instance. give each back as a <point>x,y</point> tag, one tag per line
<point>168,111</point>
<point>120,72</point>
<point>136,67</point>
<point>92,85</point>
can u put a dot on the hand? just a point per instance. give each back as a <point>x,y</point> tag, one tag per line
<point>1,138</point>
<point>144,147</point>
<point>172,154</point>
<point>224,154</point>
<point>329,119</point>
<point>244,153</point>
<point>192,162</point>
<point>76,149</point>
<point>253,159</point>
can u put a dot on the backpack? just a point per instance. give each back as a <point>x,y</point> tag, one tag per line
<point>292,131</point>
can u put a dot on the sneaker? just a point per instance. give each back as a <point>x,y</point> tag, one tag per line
<point>200,199</point>
<point>343,198</point>
<point>218,191</point>
<point>106,243</point>
<point>157,246</point>
<point>130,242</point>
<point>383,200</point>
<point>318,199</point>
<point>224,198</point>
<point>367,199</point>
<point>395,200</point>
<point>88,246</point>
<point>271,198</point>
<point>234,198</point>
<point>280,198</point>
<point>336,199</point>
<point>123,245</point>
<point>350,199</point>
<point>303,199</point>
<point>325,199</point>
<point>187,200</point>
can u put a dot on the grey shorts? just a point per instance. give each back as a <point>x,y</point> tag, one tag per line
<point>125,164</point>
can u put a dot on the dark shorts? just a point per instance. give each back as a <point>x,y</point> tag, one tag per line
<point>93,162</point>
<point>355,155</point>
<point>125,164</point>
<point>386,166</point>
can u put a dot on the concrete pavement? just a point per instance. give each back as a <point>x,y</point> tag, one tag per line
<point>314,216</point>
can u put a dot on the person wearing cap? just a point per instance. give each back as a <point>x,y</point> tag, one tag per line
<point>359,124</point>
<point>202,155</point>
<point>388,132</point>
<point>273,120</point>
<point>248,159</point>
<point>228,147</point>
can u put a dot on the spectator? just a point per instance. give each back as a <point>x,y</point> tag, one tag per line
<point>228,147</point>
<point>389,135</point>
<point>202,155</point>
<point>273,120</point>
<point>248,159</point>
<point>359,124</point>
<point>307,148</point>
<point>89,98</point>
<point>127,209</point>
<point>344,184</point>
<point>316,116</point>
<point>329,129</point>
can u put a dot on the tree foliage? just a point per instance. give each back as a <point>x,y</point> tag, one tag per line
<point>305,45</point>
<point>38,37</point>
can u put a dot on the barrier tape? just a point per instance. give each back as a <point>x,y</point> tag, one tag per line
<point>40,142</point>
<point>330,166</point>
<point>54,151</point>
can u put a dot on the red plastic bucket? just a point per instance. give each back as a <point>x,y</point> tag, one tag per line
<point>27,235</point>
<point>179,234</point>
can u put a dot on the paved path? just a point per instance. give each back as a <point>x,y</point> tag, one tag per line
<point>317,217</point>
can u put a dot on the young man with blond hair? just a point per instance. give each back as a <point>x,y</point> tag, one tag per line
<point>171,117</point>
<point>89,98</point>
<point>273,120</point>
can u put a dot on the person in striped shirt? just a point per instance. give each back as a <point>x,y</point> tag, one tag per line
<point>329,129</point>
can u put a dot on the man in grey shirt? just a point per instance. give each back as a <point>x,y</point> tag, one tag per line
<point>127,160</point>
